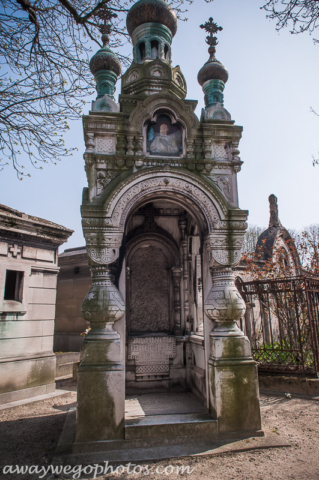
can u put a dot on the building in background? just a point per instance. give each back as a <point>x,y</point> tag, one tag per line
<point>74,282</point>
<point>28,278</point>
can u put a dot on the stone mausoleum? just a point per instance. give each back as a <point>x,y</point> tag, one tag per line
<point>163,231</point>
<point>28,278</point>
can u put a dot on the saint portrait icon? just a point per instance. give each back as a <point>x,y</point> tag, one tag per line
<point>163,138</point>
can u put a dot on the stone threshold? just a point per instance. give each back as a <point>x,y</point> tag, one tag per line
<point>159,448</point>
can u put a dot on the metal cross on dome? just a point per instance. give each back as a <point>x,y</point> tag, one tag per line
<point>105,15</point>
<point>211,27</point>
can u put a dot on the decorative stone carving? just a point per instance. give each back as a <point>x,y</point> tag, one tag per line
<point>90,145</point>
<point>120,145</point>
<point>139,146</point>
<point>103,178</point>
<point>105,104</point>
<point>15,250</point>
<point>133,76</point>
<point>151,355</point>
<point>217,112</point>
<point>219,152</point>
<point>106,145</point>
<point>149,291</point>
<point>103,256</point>
<point>190,149</point>
<point>207,148</point>
<point>224,305</point>
<point>177,275</point>
<point>129,145</point>
<point>187,188</point>
<point>103,304</point>
<point>157,72</point>
<point>224,185</point>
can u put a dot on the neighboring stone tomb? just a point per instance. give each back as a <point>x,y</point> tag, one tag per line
<point>163,230</point>
<point>28,275</point>
<point>74,281</point>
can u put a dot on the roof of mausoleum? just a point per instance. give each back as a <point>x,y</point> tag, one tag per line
<point>13,222</point>
<point>268,239</point>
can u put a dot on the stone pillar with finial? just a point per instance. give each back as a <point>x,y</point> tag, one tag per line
<point>233,381</point>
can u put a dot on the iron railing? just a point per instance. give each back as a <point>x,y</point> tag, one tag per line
<point>282,323</point>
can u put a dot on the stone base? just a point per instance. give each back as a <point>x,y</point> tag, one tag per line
<point>101,398</point>
<point>26,393</point>
<point>234,392</point>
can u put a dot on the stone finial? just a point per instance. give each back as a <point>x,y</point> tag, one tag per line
<point>273,208</point>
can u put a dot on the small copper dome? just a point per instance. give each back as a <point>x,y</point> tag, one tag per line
<point>155,11</point>
<point>212,70</point>
<point>105,59</point>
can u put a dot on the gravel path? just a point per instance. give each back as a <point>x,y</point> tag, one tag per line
<point>29,435</point>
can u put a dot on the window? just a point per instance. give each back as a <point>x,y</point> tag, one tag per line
<point>141,48</point>
<point>13,286</point>
<point>166,50</point>
<point>154,49</point>
<point>76,270</point>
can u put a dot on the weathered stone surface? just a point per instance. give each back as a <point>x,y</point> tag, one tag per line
<point>149,299</point>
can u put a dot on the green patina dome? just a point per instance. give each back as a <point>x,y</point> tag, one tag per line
<point>105,59</point>
<point>151,11</point>
<point>212,70</point>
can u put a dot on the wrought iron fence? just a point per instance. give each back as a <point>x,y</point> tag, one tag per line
<point>282,323</point>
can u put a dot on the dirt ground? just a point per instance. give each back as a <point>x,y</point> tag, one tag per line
<point>29,435</point>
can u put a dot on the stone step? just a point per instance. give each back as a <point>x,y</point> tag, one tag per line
<point>168,426</point>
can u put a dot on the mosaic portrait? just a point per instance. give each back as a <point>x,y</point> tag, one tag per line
<point>163,138</point>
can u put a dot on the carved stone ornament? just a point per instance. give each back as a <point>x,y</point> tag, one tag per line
<point>219,152</point>
<point>221,255</point>
<point>157,72</point>
<point>106,145</point>
<point>224,305</point>
<point>103,178</point>
<point>105,104</point>
<point>103,256</point>
<point>192,188</point>
<point>224,185</point>
<point>133,76</point>
<point>103,304</point>
<point>217,112</point>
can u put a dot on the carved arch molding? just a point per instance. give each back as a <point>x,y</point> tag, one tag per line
<point>104,223</point>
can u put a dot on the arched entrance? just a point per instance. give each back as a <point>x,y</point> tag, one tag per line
<point>161,256</point>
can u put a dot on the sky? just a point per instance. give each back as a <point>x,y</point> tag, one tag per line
<point>273,82</point>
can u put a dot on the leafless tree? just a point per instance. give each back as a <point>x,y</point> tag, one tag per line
<point>45,46</point>
<point>300,15</point>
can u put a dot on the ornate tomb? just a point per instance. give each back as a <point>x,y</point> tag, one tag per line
<point>163,230</point>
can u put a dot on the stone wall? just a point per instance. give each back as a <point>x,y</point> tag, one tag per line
<point>74,282</point>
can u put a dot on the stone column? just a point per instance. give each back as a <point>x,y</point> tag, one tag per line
<point>177,274</point>
<point>233,380</point>
<point>101,381</point>
<point>184,246</point>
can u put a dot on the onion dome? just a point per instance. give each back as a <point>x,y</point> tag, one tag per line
<point>213,68</point>
<point>105,59</point>
<point>151,11</point>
